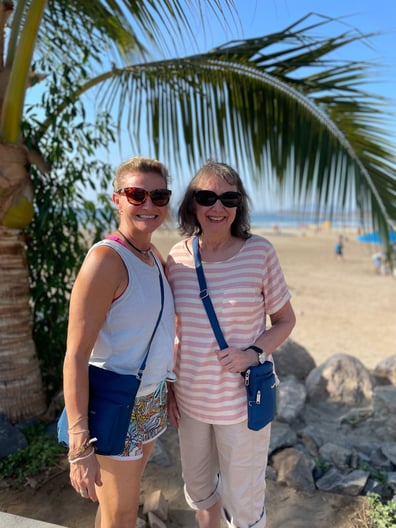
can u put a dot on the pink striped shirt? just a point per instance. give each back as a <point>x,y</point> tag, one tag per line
<point>244,290</point>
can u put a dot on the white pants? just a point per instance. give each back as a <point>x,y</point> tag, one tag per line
<point>227,463</point>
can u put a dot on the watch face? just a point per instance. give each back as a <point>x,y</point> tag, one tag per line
<point>261,358</point>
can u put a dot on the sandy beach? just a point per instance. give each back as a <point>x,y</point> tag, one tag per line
<point>341,306</point>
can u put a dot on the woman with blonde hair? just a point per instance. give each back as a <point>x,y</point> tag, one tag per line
<point>116,304</point>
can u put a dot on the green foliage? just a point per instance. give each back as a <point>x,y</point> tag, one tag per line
<point>382,515</point>
<point>42,452</point>
<point>67,221</point>
<point>376,473</point>
<point>322,465</point>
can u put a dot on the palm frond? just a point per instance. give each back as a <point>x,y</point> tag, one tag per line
<point>126,28</point>
<point>300,120</point>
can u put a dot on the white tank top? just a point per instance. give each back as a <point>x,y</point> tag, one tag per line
<point>130,321</point>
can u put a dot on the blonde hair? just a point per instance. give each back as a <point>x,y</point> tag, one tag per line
<point>139,164</point>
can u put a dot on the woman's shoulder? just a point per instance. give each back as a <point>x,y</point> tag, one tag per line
<point>179,256</point>
<point>180,248</point>
<point>108,251</point>
<point>110,245</point>
<point>259,242</point>
<point>101,263</point>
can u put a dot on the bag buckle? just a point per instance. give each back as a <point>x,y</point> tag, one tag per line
<point>203,293</point>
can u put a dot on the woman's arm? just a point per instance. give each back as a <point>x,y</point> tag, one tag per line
<point>102,277</point>
<point>282,323</point>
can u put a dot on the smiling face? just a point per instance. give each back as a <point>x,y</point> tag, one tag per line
<point>144,218</point>
<point>215,219</point>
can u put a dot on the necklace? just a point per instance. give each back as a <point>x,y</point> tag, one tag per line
<point>145,252</point>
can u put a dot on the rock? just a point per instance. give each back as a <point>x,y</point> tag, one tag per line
<point>392,480</point>
<point>160,455</point>
<point>157,504</point>
<point>291,399</point>
<point>291,359</point>
<point>343,438</point>
<point>341,378</point>
<point>11,438</point>
<point>294,469</point>
<point>340,439</point>
<point>384,405</point>
<point>386,370</point>
<point>282,435</point>
<point>154,521</point>
<point>389,450</point>
<point>348,484</point>
<point>336,455</point>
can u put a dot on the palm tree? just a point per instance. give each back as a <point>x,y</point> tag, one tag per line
<point>276,104</point>
<point>87,28</point>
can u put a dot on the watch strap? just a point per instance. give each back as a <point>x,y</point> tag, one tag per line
<point>255,348</point>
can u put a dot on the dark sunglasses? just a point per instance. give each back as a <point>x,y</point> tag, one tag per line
<point>137,195</point>
<point>228,199</point>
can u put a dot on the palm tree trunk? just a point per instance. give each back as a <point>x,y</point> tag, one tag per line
<point>21,390</point>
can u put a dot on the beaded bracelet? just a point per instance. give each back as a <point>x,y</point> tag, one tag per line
<point>74,460</point>
<point>79,451</point>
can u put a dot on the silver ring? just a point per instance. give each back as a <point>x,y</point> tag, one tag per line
<point>83,493</point>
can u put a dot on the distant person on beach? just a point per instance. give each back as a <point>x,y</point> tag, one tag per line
<point>377,261</point>
<point>223,462</point>
<point>339,248</point>
<point>381,263</point>
<point>114,308</point>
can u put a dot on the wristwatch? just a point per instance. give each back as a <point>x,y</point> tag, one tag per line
<point>260,353</point>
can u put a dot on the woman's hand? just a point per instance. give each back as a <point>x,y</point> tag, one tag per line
<point>236,360</point>
<point>84,474</point>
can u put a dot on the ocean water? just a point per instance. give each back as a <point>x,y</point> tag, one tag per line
<point>295,219</point>
<point>287,220</point>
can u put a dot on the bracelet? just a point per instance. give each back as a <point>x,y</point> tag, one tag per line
<point>79,451</point>
<point>78,459</point>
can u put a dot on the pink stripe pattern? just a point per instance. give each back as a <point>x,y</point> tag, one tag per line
<point>244,289</point>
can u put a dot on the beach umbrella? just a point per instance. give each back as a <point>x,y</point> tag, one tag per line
<point>375,238</point>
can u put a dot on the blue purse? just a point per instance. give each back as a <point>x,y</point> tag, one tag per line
<point>111,400</point>
<point>260,381</point>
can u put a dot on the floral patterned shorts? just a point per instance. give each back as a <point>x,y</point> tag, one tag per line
<point>148,421</point>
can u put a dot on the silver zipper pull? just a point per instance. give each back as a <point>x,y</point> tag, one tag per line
<point>258,397</point>
<point>247,377</point>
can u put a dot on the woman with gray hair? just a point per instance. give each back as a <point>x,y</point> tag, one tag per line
<point>223,461</point>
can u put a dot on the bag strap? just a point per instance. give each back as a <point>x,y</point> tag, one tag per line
<point>161,281</point>
<point>204,295</point>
